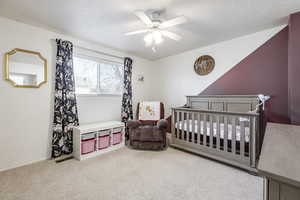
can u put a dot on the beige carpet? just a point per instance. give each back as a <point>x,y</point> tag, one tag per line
<point>131,175</point>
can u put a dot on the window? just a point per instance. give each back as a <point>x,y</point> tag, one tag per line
<point>97,77</point>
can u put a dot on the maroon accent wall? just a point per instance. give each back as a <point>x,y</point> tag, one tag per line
<point>265,71</point>
<point>294,68</point>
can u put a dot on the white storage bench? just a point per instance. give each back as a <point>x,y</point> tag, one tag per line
<point>90,140</point>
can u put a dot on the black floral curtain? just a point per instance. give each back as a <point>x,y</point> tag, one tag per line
<point>65,107</point>
<point>127,113</point>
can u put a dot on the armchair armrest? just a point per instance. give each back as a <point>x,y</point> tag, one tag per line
<point>133,124</point>
<point>162,124</point>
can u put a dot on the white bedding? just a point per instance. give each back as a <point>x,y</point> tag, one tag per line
<point>238,129</point>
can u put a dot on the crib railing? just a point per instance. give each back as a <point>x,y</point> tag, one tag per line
<point>227,136</point>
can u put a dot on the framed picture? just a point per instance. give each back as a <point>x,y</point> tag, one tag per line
<point>204,65</point>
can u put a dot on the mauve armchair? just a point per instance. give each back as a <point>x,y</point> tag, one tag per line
<point>148,132</point>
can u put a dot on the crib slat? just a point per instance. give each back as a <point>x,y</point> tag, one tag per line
<point>188,127</point>
<point>233,135</point>
<point>193,127</point>
<point>199,128</point>
<point>173,128</point>
<point>253,143</point>
<point>177,124</point>
<point>225,133</point>
<point>242,139</point>
<point>218,132</point>
<point>182,125</point>
<point>211,129</point>
<point>204,129</point>
<point>177,121</point>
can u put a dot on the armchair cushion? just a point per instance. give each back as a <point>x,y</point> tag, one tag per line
<point>134,124</point>
<point>151,134</point>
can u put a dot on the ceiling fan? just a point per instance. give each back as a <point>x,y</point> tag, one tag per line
<point>156,28</point>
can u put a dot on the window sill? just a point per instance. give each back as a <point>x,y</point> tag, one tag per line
<point>98,95</point>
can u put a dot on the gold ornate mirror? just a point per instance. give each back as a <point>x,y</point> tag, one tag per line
<point>25,68</point>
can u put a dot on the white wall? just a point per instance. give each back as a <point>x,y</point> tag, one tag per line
<point>26,114</point>
<point>178,79</point>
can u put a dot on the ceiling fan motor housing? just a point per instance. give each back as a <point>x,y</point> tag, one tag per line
<point>155,15</point>
<point>155,18</point>
<point>156,23</point>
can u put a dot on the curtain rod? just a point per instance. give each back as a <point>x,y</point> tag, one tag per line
<point>99,52</point>
<point>103,59</point>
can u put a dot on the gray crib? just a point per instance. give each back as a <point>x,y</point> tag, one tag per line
<point>221,127</point>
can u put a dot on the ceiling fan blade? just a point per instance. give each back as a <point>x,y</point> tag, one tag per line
<point>137,32</point>
<point>173,22</point>
<point>142,16</point>
<point>171,35</point>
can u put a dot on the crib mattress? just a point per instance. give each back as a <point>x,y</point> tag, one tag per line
<point>182,125</point>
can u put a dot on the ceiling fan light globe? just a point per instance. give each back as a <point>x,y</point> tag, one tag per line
<point>158,40</point>
<point>157,36</point>
<point>156,33</point>
<point>148,44</point>
<point>148,39</point>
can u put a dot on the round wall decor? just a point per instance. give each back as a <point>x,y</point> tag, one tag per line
<point>204,65</point>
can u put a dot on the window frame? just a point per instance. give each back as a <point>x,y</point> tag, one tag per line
<point>99,62</point>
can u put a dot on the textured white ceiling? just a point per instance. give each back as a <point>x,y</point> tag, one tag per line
<point>106,21</point>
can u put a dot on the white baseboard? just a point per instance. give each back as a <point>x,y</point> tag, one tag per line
<point>25,164</point>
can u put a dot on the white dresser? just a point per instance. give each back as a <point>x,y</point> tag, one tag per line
<point>93,139</point>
